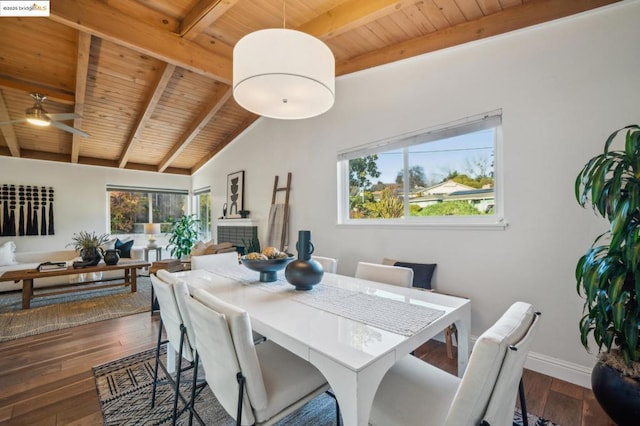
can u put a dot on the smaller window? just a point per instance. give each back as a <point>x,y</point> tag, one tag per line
<point>202,208</point>
<point>442,176</point>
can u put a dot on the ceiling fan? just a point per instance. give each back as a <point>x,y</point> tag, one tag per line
<point>38,116</point>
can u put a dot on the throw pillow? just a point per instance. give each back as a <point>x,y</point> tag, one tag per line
<point>109,245</point>
<point>7,254</point>
<point>201,248</point>
<point>422,273</point>
<point>197,249</point>
<point>125,248</point>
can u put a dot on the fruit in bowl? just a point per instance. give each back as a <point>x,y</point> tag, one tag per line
<point>268,262</point>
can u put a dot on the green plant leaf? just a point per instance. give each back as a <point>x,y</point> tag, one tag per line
<point>615,290</point>
<point>617,312</point>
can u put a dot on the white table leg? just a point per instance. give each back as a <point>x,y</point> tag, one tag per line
<point>172,354</point>
<point>464,326</point>
<point>354,390</point>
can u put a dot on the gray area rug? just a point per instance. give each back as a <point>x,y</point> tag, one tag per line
<point>125,385</point>
<point>49,313</point>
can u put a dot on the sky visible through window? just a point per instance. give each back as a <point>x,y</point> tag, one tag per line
<point>462,154</point>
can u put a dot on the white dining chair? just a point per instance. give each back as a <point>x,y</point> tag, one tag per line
<point>181,292</point>
<point>255,384</point>
<point>207,261</point>
<point>329,264</point>
<point>172,320</point>
<point>414,392</point>
<point>222,260</point>
<point>395,275</point>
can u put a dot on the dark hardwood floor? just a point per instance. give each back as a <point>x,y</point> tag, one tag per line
<point>48,380</point>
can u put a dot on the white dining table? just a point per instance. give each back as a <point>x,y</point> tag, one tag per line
<point>352,348</point>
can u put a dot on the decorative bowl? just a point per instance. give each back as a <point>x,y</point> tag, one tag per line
<point>268,268</point>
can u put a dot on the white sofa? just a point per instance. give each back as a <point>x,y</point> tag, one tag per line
<point>31,260</point>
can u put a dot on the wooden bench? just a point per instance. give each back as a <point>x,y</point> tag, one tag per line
<point>28,275</point>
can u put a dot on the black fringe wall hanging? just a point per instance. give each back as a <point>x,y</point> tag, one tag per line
<point>26,210</point>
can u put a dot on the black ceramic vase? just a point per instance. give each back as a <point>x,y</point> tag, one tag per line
<point>111,256</point>
<point>304,272</point>
<point>90,255</point>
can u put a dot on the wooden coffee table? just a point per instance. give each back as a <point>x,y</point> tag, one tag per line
<point>28,275</point>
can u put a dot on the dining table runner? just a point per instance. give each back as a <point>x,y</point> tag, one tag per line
<point>396,316</point>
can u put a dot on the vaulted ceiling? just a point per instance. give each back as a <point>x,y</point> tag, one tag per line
<point>151,79</point>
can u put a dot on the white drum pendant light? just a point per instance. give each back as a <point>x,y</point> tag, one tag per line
<point>281,73</point>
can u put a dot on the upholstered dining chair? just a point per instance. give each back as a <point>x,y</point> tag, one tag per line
<point>211,261</point>
<point>180,337</point>
<point>414,392</point>
<point>214,260</point>
<point>329,264</point>
<point>395,275</point>
<point>422,276</point>
<point>255,384</point>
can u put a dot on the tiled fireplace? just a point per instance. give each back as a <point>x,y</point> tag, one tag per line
<point>236,231</point>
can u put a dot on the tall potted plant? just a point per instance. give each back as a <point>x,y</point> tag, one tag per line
<point>184,234</point>
<point>608,275</point>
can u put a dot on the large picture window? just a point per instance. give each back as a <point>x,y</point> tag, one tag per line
<point>444,175</point>
<point>131,208</point>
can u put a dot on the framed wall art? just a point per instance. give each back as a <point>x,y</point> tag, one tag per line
<point>235,194</point>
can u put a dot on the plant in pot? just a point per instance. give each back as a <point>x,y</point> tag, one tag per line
<point>608,275</point>
<point>87,244</point>
<point>184,234</point>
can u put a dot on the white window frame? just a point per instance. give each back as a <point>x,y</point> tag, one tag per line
<point>195,208</point>
<point>492,119</point>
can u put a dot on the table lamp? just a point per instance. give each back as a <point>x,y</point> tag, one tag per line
<point>151,229</point>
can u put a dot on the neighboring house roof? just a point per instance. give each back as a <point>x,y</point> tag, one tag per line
<point>447,187</point>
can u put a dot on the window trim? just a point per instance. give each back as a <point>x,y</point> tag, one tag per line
<point>195,208</point>
<point>497,221</point>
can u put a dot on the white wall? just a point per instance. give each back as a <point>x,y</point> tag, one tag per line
<point>563,87</point>
<point>80,201</point>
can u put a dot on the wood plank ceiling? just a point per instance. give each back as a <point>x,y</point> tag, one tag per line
<point>151,79</point>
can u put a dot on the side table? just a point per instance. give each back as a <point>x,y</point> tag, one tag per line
<point>158,251</point>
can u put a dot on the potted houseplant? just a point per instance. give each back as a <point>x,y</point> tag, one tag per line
<point>184,234</point>
<point>87,244</point>
<point>608,275</point>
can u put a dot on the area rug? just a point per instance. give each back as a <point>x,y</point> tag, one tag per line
<point>124,388</point>
<point>51,313</point>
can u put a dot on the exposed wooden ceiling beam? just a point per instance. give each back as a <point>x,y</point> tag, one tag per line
<point>97,18</point>
<point>7,130</point>
<point>207,113</point>
<point>55,94</point>
<point>241,128</point>
<point>147,110</point>
<point>82,72</point>
<point>90,161</point>
<point>202,15</point>
<point>530,13</point>
<point>350,15</point>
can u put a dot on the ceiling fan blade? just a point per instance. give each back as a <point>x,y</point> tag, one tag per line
<point>64,116</point>
<point>21,120</point>
<point>69,129</point>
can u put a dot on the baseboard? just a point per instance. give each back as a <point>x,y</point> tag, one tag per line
<point>569,372</point>
<point>557,368</point>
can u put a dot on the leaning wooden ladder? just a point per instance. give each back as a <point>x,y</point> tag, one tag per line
<point>287,190</point>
